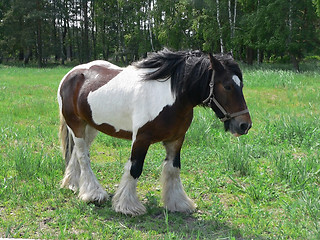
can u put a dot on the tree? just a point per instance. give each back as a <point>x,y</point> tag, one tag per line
<point>300,35</point>
<point>316,4</point>
<point>19,24</point>
<point>220,28</point>
<point>82,30</point>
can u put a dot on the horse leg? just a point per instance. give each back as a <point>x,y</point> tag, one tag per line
<point>173,195</point>
<point>90,135</point>
<point>125,199</point>
<point>72,174</point>
<point>90,189</point>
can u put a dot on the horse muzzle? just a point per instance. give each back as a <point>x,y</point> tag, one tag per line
<point>239,125</point>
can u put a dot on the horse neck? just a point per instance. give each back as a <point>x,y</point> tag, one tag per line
<point>199,90</point>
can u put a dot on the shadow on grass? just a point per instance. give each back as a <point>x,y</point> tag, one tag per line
<point>166,225</point>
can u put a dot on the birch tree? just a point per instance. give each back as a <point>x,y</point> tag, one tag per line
<point>232,20</point>
<point>150,23</point>
<point>220,28</point>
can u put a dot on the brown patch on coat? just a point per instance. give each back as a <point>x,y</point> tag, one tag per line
<point>69,91</point>
<point>171,124</point>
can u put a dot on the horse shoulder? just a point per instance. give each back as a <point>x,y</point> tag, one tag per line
<point>170,124</point>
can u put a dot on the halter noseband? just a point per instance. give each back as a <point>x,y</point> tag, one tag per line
<point>211,99</point>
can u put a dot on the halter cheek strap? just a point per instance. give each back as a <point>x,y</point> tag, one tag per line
<point>211,99</point>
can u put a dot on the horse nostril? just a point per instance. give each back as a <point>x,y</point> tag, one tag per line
<point>245,127</point>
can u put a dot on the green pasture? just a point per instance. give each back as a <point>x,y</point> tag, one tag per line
<point>265,185</point>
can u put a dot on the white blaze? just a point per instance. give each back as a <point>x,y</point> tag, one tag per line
<point>236,79</point>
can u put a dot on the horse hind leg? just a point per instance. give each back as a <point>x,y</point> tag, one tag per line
<point>90,189</point>
<point>173,195</point>
<point>78,174</point>
<point>72,172</point>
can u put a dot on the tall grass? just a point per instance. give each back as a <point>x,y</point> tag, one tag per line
<point>264,185</point>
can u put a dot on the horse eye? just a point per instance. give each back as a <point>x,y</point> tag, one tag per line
<point>227,87</point>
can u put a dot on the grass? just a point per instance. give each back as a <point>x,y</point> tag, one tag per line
<point>265,185</point>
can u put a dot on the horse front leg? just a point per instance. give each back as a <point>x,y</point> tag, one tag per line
<point>173,195</point>
<point>125,199</point>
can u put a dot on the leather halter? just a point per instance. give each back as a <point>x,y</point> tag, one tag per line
<point>211,99</point>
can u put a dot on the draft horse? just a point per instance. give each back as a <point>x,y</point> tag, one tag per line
<point>150,101</point>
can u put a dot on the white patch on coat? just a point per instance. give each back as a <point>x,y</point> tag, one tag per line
<point>127,102</point>
<point>101,63</point>
<point>236,79</point>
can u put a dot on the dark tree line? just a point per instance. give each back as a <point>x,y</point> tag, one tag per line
<point>125,30</point>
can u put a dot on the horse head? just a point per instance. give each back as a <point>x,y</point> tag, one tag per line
<point>226,96</point>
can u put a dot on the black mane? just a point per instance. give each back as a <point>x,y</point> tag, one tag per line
<point>190,71</point>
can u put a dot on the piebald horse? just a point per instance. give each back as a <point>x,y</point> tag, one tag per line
<point>150,101</point>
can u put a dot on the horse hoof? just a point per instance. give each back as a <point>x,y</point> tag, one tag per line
<point>129,209</point>
<point>97,198</point>
<point>73,188</point>
<point>185,206</point>
<point>133,211</point>
<point>68,184</point>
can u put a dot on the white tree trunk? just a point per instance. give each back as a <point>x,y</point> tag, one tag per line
<point>150,25</point>
<point>220,28</point>
<point>230,19</point>
<point>290,18</point>
<point>234,17</point>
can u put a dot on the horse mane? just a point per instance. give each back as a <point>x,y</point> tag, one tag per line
<point>188,70</point>
<point>185,68</point>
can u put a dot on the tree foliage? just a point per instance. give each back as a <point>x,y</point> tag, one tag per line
<point>123,30</point>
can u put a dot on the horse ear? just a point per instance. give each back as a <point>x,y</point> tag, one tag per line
<point>230,54</point>
<point>215,63</point>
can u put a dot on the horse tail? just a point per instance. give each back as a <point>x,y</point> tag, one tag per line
<point>66,140</point>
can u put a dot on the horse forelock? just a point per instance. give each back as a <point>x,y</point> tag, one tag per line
<point>230,65</point>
